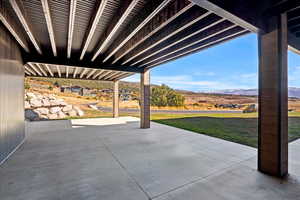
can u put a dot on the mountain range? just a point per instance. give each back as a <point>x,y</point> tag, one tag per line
<point>293,92</point>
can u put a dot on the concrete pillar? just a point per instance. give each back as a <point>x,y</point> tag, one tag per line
<point>273,98</point>
<point>116,99</point>
<point>145,99</point>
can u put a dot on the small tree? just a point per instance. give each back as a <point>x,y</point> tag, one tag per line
<point>56,84</point>
<point>27,86</point>
<point>165,96</point>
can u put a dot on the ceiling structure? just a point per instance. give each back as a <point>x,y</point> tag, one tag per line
<point>61,71</point>
<point>88,38</point>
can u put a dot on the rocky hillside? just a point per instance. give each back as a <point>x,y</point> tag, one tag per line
<point>44,107</point>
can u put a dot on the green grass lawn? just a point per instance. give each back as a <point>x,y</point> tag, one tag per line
<point>236,127</point>
<point>239,128</point>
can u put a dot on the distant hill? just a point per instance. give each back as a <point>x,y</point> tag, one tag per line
<point>293,92</point>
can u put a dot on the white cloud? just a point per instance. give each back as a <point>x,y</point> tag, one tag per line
<point>187,82</point>
<point>133,78</point>
<point>249,76</point>
<point>294,73</point>
<point>204,73</point>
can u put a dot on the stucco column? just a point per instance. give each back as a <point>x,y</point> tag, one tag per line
<point>145,99</point>
<point>116,99</point>
<point>273,98</point>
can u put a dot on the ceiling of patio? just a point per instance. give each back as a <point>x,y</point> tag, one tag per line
<point>117,35</point>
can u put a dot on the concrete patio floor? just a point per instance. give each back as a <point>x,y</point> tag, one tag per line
<point>120,161</point>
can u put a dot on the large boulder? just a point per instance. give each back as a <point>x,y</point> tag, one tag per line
<point>54,103</point>
<point>44,117</point>
<point>39,96</point>
<point>72,113</point>
<point>61,115</point>
<point>67,108</point>
<point>27,105</point>
<point>93,107</point>
<point>52,116</point>
<point>78,111</point>
<point>42,111</point>
<point>31,115</point>
<point>52,97</point>
<point>30,95</point>
<point>54,110</point>
<point>35,103</point>
<point>46,102</point>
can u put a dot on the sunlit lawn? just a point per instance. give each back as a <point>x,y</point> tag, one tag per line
<point>239,128</point>
<point>236,127</point>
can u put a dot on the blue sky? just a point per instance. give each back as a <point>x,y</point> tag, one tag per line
<point>231,65</point>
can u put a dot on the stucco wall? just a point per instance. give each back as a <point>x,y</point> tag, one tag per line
<point>12,131</point>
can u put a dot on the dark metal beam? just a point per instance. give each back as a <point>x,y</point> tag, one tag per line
<point>224,28</point>
<point>232,11</point>
<point>123,76</point>
<point>124,11</point>
<point>294,43</point>
<point>92,29</point>
<point>150,11</point>
<point>190,32</point>
<point>16,5</point>
<point>273,98</point>
<point>77,63</point>
<point>198,47</point>
<point>63,76</point>
<point>47,14</point>
<point>283,7</point>
<point>160,21</point>
<point>189,18</point>
<point>73,4</point>
<point>295,14</point>
<point>7,23</point>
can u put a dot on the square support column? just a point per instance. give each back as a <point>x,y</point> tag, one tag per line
<point>116,99</point>
<point>273,98</point>
<point>145,99</point>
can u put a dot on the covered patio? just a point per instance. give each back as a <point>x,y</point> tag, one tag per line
<point>113,39</point>
<point>114,159</point>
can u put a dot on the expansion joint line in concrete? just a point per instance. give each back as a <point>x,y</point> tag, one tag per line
<point>127,172</point>
<point>200,179</point>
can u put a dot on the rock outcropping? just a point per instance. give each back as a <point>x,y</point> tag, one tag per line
<point>44,107</point>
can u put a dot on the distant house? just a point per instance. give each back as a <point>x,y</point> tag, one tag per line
<point>106,91</point>
<point>126,95</point>
<point>78,90</point>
